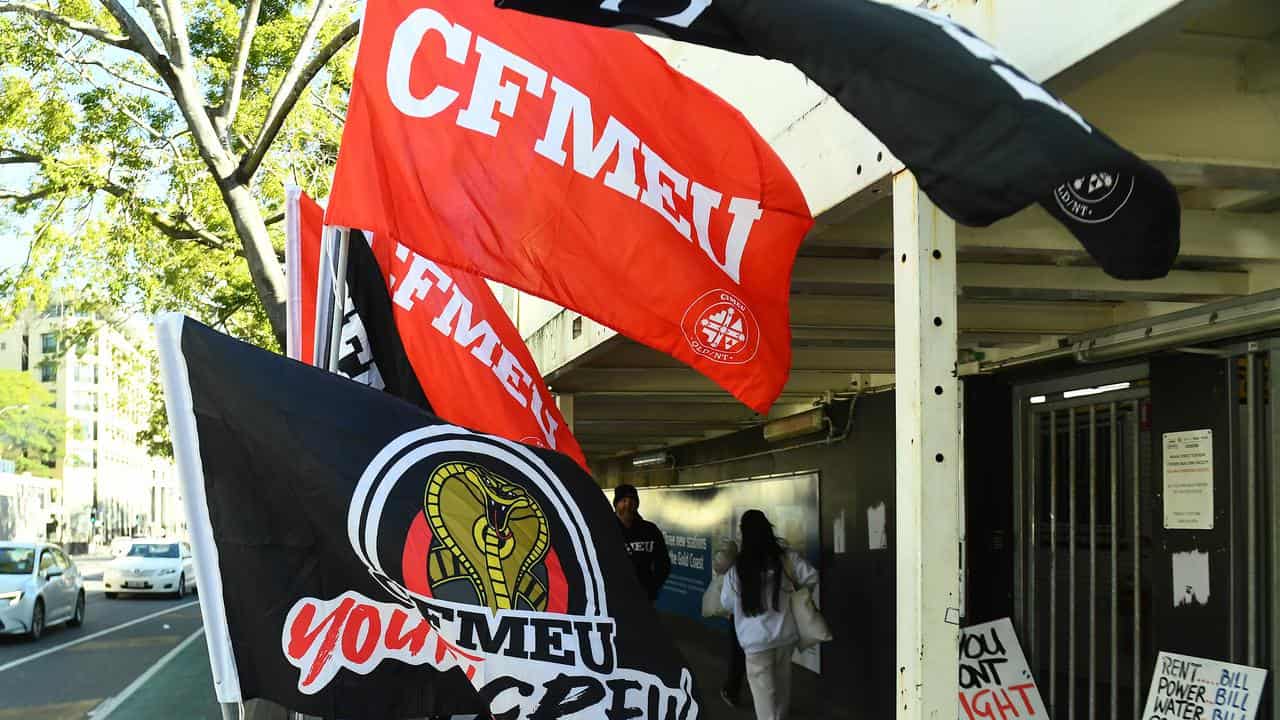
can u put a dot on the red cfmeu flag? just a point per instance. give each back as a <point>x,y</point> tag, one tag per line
<point>304,220</point>
<point>467,354</point>
<point>576,165</point>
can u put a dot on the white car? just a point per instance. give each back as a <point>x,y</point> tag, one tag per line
<point>39,586</point>
<point>151,566</point>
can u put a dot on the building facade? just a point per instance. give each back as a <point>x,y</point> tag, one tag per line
<point>106,483</point>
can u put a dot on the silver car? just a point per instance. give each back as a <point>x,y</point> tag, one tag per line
<point>39,586</point>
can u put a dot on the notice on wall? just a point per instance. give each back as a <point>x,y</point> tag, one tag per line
<point>995,680</point>
<point>1188,480</point>
<point>1191,687</point>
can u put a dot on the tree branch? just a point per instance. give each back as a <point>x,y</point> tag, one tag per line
<point>235,83</point>
<point>165,223</point>
<point>285,100</point>
<point>128,81</point>
<point>171,227</point>
<point>17,157</point>
<point>93,31</point>
<point>161,22</point>
<point>141,124</point>
<point>137,39</point>
<point>318,100</point>
<point>185,90</point>
<point>20,198</point>
<point>178,26</point>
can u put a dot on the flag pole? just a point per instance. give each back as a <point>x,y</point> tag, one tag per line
<point>293,270</point>
<point>339,298</point>
<point>324,297</point>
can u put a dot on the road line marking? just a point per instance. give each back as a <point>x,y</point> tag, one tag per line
<point>22,661</point>
<point>109,705</point>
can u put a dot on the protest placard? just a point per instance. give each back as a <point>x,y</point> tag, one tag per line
<point>1191,687</point>
<point>995,681</point>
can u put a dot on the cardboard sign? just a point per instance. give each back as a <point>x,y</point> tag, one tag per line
<point>995,681</point>
<point>1191,687</point>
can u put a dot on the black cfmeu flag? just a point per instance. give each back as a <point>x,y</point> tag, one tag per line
<point>371,351</point>
<point>358,557</point>
<point>983,140</point>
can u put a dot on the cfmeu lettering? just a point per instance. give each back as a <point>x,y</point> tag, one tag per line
<point>424,281</point>
<point>501,77</point>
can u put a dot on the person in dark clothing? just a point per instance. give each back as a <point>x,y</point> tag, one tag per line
<point>731,692</point>
<point>645,545</point>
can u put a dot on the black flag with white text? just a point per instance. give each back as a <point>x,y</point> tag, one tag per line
<point>983,139</point>
<point>357,557</point>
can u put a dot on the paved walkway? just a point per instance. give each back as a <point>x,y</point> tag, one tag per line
<point>704,650</point>
<point>182,688</point>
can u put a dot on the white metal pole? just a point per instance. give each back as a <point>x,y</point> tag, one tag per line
<point>324,300</point>
<point>339,298</point>
<point>928,455</point>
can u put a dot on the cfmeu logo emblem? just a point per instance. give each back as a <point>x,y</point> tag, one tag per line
<point>445,514</point>
<point>1095,198</point>
<point>720,327</point>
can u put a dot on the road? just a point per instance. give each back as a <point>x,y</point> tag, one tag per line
<point>70,672</point>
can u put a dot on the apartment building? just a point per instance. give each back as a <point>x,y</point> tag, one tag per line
<point>105,484</point>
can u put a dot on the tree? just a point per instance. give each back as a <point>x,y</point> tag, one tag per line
<point>149,146</point>
<point>32,432</point>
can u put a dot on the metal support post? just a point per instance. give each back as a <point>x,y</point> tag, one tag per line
<point>1273,522</point>
<point>1253,396</point>
<point>928,452</point>
<point>564,401</point>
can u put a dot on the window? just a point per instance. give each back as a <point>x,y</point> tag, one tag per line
<point>86,401</point>
<point>61,560</point>
<point>154,550</point>
<point>48,372</point>
<point>49,343</point>
<point>16,560</point>
<point>26,363</point>
<point>46,561</point>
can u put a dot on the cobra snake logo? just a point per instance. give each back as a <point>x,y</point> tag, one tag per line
<point>491,532</point>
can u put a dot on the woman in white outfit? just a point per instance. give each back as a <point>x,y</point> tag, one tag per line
<point>757,589</point>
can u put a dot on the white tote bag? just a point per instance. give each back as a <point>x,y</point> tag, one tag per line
<point>809,621</point>
<point>711,606</point>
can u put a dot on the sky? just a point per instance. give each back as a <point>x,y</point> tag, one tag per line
<point>15,234</point>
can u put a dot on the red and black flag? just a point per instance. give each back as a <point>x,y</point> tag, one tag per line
<point>576,165</point>
<point>983,139</point>
<point>440,339</point>
<point>359,557</point>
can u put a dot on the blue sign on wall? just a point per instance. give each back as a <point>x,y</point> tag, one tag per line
<point>695,519</point>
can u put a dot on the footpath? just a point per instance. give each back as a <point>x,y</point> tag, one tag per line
<point>179,686</point>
